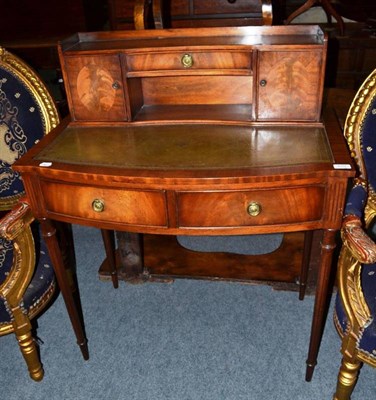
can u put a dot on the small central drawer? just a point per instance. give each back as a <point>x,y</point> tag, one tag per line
<point>186,60</point>
<point>250,208</point>
<point>133,207</point>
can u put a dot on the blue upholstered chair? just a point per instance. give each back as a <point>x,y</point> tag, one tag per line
<point>355,309</point>
<point>27,281</point>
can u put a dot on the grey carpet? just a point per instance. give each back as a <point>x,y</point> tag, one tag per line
<point>189,340</point>
<point>238,244</point>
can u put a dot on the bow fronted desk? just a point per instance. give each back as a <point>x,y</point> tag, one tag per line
<point>215,131</point>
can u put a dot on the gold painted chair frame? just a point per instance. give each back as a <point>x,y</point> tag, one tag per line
<point>15,227</point>
<point>358,249</point>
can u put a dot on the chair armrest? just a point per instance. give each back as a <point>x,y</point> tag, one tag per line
<point>15,227</point>
<point>357,241</point>
<point>15,221</point>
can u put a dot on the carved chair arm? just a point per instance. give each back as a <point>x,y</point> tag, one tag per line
<point>357,241</point>
<point>15,227</point>
<point>14,222</point>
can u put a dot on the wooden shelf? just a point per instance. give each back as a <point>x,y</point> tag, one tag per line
<point>220,112</point>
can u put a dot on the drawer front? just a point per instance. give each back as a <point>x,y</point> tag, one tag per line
<point>226,6</point>
<point>96,88</point>
<point>250,208</point>
<point>147,208</point>
<point>189,60</point>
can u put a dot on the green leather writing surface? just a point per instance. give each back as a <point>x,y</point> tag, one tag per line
<point>189,146</point>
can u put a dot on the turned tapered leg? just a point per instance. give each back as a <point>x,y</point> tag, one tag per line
<point>320,310</point>
<point>347,377</point>
<point>67,285</point>
<point>22,329</point>
<point>109,245</point>
<point>131,257</point>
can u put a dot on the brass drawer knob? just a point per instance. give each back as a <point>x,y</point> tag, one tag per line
<point>187,61</point>
<point>254,209</point>
<point>98,205</point>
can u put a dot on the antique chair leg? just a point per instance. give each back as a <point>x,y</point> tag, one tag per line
<point>347,377</point>
<point>22,329</point>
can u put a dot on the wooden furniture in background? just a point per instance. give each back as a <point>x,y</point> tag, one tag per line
<point>351,58</point>
<point>195,13</point>
<point>32,29</point>
<point>213,131</point>
<point>328,8</point>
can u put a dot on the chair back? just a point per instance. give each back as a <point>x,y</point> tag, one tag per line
<point>27,112</point>
<point>360,133</point>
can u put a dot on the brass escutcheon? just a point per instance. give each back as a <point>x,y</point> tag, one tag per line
<point>116,85</point>
<point>97,205</point>
<point>254,209</point>
<point>187,61</point>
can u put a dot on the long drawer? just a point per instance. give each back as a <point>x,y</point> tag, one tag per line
<point>189,59</point>
<point>248,208</point>
<point>133,207</point>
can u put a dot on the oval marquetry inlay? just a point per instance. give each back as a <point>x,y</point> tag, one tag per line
<point>95,88</point>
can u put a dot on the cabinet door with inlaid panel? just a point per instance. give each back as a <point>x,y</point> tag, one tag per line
<point>289,85</point>
<point>95,88</point>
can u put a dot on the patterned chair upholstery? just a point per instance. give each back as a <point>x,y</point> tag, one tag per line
<point>355,309</point>
<point>27,282</point>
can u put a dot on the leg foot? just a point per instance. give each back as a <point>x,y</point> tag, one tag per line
<point>28,347</point>
<point>84,350</point>
<point>347,377</point>
<point>309,371</point>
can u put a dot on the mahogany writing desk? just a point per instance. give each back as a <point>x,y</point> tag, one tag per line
<point>186,132</point>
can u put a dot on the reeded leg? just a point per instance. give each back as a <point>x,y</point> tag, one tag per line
<point>328,245</point>
<point>67,285</point>
<point>347,377</point>
<point>109,245</point>
<point>22,329</point>
<point>305,264</point>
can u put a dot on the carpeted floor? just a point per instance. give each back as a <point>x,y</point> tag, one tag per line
<point>188,340</point>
